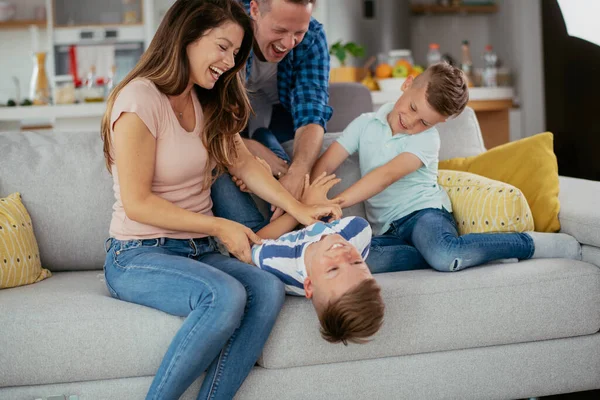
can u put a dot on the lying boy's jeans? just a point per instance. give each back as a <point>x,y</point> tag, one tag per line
<point>429,238</point>
<point>229,309</point>
<point>267,138</point>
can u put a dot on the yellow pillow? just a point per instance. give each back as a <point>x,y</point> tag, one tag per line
<point>19,255</point>
<point>528,164</point>
<point>483,205</point>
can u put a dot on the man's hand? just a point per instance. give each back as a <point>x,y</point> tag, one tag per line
<point>316,192</point>
<point>293,183</point>
<point>278,166</point>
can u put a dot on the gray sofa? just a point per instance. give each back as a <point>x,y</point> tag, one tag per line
<point>495,332</point>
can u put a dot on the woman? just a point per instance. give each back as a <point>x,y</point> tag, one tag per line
<point>172,121</point>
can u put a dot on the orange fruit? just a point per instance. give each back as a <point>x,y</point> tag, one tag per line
<point>383,71</point>
<point>406,64</point>
<point>416,71</point>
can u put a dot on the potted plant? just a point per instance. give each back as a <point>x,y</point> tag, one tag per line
<point>344,73</point>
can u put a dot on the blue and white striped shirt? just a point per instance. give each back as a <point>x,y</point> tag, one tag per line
<point>284,257</point>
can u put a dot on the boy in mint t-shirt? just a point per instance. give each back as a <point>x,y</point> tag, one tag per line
<point>410,214</point>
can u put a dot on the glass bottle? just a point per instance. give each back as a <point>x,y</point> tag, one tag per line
<point>490,70</point>
<point>466,63</point>
<point>94,92</point>
<point>39,91</point>
<point>434,55</point>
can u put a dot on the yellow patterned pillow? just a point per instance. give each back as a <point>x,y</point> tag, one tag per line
<point>483,205</point>
<point>530,165</point>
<point>19,255</point>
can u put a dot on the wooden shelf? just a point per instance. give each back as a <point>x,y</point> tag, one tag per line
<point>436,9</point>
<point>21,23</point>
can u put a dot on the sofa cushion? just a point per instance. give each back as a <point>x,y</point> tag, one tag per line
<point>461,136</point>
<point>67,191</point>
<point>529,164</point>
<point>81,333</point>
<point>19,254</point>
<point>482,205</point>
<point>68,328</point>
<point>429,311</point>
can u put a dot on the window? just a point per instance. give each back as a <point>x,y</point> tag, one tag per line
<point>581,18</point>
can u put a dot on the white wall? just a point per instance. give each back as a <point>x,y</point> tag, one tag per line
<point>449,31</point>
<point>517,28</point>
<point>515,32</point>
<point>389,29</point>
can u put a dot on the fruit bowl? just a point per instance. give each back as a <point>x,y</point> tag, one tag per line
<point>390,84</point>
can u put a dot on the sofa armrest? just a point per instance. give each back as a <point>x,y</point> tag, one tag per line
<point>580,209</point>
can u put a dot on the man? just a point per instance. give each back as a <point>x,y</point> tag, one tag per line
<point>287,79</point>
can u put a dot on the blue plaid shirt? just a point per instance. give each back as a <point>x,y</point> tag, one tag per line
<point>303,78</point>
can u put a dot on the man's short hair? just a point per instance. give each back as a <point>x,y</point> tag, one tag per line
<point>447,89</point>
<point>265,5</point>
<point>354,316</point>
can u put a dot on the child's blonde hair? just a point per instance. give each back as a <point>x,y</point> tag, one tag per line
<point>447,90</point>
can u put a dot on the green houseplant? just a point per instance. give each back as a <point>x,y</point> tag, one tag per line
<point>341,51</point>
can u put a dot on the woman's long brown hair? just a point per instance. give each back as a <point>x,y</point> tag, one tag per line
<point>226,107</point>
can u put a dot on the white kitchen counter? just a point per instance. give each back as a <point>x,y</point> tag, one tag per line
<point>475,94</point>
<point>85,116</point>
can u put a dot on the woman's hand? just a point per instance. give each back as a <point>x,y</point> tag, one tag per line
<point>240,183</point>
<point>237,238</point>
<point>316,192</point>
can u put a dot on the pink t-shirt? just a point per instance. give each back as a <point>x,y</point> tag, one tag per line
<point>179,164</point>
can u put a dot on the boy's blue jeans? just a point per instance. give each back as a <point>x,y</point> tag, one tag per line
<point>423,239</point>
<point>229,309</point>
<point>429,238</point>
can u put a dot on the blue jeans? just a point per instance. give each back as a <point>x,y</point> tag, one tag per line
<point>281,125</point>
<point>229,308</point>
<point>429,238</point>
<point>231,203</point>
<point>269,140</point>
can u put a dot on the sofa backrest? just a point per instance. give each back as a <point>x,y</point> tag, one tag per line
<point>461,136</point>
<point>67,191</point>
<point>348,100</point>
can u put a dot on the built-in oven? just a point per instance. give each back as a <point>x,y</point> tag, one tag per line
<point>109,50</point>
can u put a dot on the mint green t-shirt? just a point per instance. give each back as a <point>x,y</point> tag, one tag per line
<point>371,135</point>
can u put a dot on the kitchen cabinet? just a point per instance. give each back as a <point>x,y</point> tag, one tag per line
<point>80,23</point>
<point>94,12</point>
